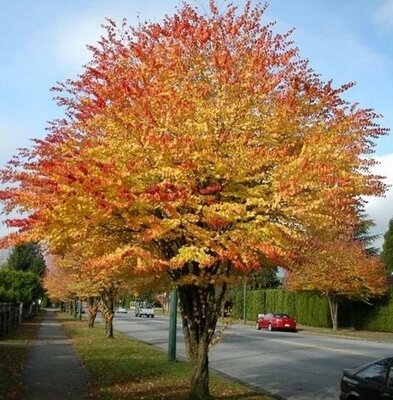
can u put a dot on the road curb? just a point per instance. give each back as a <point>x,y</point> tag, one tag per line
<point>249,385</point>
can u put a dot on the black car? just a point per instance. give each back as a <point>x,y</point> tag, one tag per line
<point>373,381</point>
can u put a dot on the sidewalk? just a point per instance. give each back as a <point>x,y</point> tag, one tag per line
<point>53,371</point>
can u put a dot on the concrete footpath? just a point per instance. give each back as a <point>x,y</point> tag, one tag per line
<point>53,370</point>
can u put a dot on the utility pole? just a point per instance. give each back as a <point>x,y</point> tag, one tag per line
<point>172,326</point>
<point>245,302</point>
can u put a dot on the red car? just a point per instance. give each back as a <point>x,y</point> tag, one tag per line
<point>273,321</point>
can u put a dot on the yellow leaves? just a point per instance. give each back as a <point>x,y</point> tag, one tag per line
<point>220,216</point>
<point>192,254</point>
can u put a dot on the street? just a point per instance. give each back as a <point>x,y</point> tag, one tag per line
<point>294,366</point>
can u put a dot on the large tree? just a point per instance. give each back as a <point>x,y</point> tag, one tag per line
<point>387,248</point>
<point>194,148</point>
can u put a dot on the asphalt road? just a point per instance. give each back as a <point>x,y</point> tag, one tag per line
<point>293,366</point>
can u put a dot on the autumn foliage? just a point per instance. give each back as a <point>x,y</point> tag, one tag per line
<point>191,148</point>
<point>338,268</point>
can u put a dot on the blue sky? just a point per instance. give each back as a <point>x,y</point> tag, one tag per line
<point>43,41</point>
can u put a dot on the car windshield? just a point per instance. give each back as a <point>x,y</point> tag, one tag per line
<point>281,316</point>
<point>375,372</point>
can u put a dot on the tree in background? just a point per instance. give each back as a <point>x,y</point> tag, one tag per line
<point>387,248</point>
<point>191,148</point>
<point>361,234</point>
<point>27,257</point>
<point>19,286</point>
<point>72,277</point>
<point>338,268</point>
<point>264,278</point>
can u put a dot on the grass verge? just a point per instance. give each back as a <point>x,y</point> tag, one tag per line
<point>13,352</point>
<point>124,368</point>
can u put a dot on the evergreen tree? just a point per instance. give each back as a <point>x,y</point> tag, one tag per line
<point>266,278</point>
<point>362,235</point>
<point>387,248</point>
<point>19,286</point>
<point>27,257</point>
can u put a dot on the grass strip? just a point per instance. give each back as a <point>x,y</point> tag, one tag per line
<point>13,353</point>
<point>125,368</point>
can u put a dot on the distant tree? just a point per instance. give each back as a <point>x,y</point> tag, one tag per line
<point>338,268</point>
<point>387,248</point>
<point>19,286</point>
<point>27,257</point>
<point>266,278</point>
<point>361,234</point>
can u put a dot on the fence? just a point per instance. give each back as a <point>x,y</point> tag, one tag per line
<point>10,317</point>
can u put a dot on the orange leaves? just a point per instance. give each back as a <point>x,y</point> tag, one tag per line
<point>217,223</point>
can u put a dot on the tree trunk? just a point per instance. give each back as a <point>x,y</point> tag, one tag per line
<point>200,374</point>
<point>333,306</point>
<point>108,304</point>
<point>200,308</point>
<point>92,310</point>
<point>75,309</point>
<point>109,325</point>
<point>80,310</point>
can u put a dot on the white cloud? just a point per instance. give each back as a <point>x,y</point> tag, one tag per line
<point>380,209</point>
<point>384,15</point>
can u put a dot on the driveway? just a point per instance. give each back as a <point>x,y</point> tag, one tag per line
<point>294,366</point>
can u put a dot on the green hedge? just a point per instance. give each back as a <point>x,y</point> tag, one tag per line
<point>377,316</point>
<point>313,309</point>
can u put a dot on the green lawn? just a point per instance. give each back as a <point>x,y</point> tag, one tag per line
<point>13,352</point>
<point>124,368</point>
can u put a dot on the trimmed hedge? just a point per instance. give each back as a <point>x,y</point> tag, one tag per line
<point>377,316</point>
<point>313,309</point>
<point>308,308</point>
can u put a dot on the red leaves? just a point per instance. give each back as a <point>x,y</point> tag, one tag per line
<point>165,192</point>
<point>203,35</point>
<point>213,189</point>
